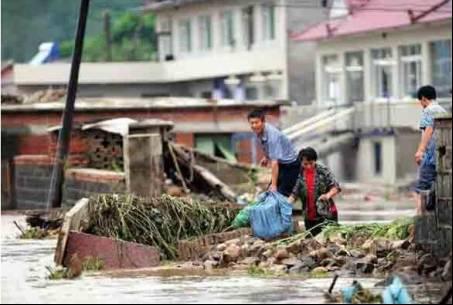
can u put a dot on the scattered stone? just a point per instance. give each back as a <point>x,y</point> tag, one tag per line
<point>291,262</point>
<point>236,241</point>
<point>210,265</point>
<point>320,254</point>
<point>299,268</point>
<point>400,244</point>
<point>267,253</point>
<point>368,245</point>
<point>319,270</point>
<point>363,266</point>
<point>342,252</point>
<point>446,273</point>
<point>328,262</point>
<point>250,261</point>
<point>281,254</point>
<point>232,253</point>
<point>308,262</point>
<point>371,259</point>
<point>221,247</point>
<point>294,247</point>
<point>357,254</point>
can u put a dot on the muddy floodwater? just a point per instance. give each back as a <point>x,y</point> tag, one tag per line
<point>23,279</point>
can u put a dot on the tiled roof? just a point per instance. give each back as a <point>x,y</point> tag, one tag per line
<point>373,15</point>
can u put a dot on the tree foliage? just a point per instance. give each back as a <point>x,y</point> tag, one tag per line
<point>27,23</point>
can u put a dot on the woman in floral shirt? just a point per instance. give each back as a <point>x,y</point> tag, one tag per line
<point>316,187</point>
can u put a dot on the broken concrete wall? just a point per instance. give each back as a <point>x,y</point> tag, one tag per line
<point>84,183</point>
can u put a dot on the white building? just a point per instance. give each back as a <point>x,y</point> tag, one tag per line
<point>207,48</point>
<point>371,60</point>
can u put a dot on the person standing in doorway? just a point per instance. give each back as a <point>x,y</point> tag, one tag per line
<point>425,157</point>
<point>279,153</point>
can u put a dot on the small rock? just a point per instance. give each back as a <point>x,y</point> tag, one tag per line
<point>256,250</point>
<point>364,266</point>
<point>299,268</point>
<point>357,254</point>
<point>281,254</point>
<point>245,249</point>
<point>236,241</point>
<point>446,273</point>
<point>250,261</point>
<point>221,247</point>
<point>308,262</point>
<point>217,256</point>
<point>342,252</point>
<point>371,259</point>
<point>291,262</point>
<point>294,247</point>
<point>369,243</point>
<point>333,248</point>
<point>232,253</point>
<point>400,244</point>
<point>319,270</point>
<point>332,268</point>
<point>267,253</point>
<point>340,260</point>
<point>209,265</point>
<point>320,254</point>
<point>328,262</point>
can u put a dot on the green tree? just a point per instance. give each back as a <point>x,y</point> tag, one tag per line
<point>133,39</point>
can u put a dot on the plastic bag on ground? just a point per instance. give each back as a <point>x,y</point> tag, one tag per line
<point>242,220</point>
<point>271,216</point>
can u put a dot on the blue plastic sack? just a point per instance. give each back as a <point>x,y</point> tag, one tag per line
<point>396,293</point>
<point>271,216</point>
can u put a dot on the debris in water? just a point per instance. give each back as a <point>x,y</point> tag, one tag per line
<point>159,222</point>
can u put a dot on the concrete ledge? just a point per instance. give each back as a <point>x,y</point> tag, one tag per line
<point>95,175</point>
<point>115,254</point>
<point>33,160</point>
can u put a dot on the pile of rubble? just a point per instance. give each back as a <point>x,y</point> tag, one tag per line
<point>324,257</point>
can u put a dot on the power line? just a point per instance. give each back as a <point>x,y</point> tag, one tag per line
<point>390,8</point>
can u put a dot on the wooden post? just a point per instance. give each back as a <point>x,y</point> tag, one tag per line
<point>143,164</point>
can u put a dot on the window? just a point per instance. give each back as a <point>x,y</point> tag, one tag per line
<point>185,36</point>
<point>382,65</point>
<point>165,39</point>
<point>251,93</point>
<point>248,26</point>
<point>331,78</point>
<point>411,69</point>
<point>269,22</point>
<point>227,23</point>
<point>354,77</point>
<point>218,145</point>
<point>441,66</point>
<point>205,30</point>
<point>377,158</point>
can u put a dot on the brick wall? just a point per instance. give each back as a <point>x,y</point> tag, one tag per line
<point>84,182</point>
<point>32,181</point>
<point>187,139</point>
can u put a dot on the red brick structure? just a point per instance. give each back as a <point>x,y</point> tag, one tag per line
<point>24,131</point>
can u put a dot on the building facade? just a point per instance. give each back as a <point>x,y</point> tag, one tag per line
<point>207,48</point>
<point>371,60</point>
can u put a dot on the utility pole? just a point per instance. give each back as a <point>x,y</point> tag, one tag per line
<point>108,35</point>
<point>64,135</point>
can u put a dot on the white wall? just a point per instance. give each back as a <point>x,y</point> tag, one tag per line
<point>365,161</point>
<point>417,34</point>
